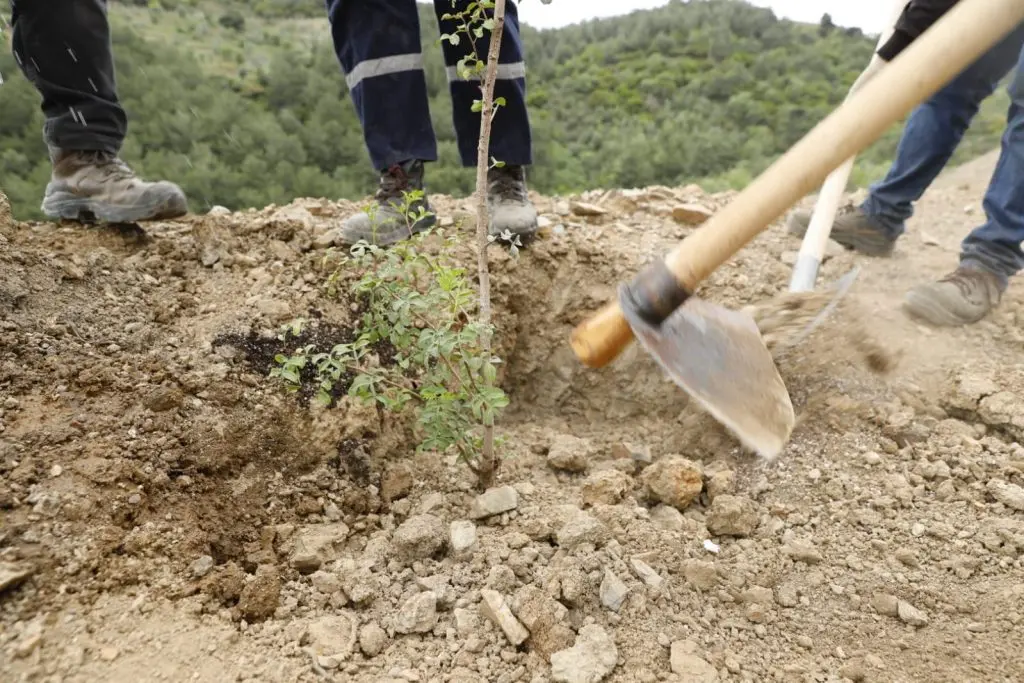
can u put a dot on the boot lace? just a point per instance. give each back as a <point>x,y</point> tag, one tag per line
<point>506,183</point>
<point>110,165</point>
<point>393,182</point>
<point>967,282</point>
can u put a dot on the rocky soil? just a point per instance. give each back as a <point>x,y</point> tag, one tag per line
<point>169,513</point>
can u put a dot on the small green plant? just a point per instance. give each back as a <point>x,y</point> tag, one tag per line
<point>419,344</point>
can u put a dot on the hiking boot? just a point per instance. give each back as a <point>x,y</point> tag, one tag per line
<point>94,185</point>
<point>962,297</point>
<point>508,204</point>
<point>393,217</point>
<point>851,228</point>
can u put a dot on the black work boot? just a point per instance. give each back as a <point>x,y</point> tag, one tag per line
<point>851,228</point>
<point>508,204</point>
<point>392,218</point>
<point>87,185</point>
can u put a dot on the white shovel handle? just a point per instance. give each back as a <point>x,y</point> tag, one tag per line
<point>812,249</point>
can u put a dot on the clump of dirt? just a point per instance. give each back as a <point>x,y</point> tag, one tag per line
<point>150,469</point>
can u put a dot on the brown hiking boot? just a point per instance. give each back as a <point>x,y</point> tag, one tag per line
<point>962,297</point>
<point>393,217</point>
<point>508,204</point>
<point>93,185</point>
<point>851,228</point>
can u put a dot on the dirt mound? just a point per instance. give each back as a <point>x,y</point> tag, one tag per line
<point>155,483</point>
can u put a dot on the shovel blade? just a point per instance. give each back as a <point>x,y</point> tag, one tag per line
<point>719,358</point>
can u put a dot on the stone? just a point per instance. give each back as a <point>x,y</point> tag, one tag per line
<point>275,309</point>
<point>420,537</point>
<point>494,502</point>
<point>586,209</point>
<point>582,528</point>
<point>418,614</point>
<point>590,660</point>
<point>327,583</point>
<point>688,665</point>
<point>372,639</point>
<point>462,536</point>
<point>700,574</point>
<point>545,619</point>
<point>259,598</point>
<point>607,487</point>
<point>721,482</point>
<point>357,581</point>
<point>646,573</point>
<point>497,610</point>
<point>569,453</point>
<point>332,636</point>
<point>12,574</point>
<point>674,481</point>
<point>691,214</point>
<point>201,567</point>
<point>732,516</point>
<point>613,591</point>
<point>397,482</point>
<point>1010,495</point>
<point>911,615</point>
<point>802,551</point>
<point>885,604</point>
<point>315,545</point>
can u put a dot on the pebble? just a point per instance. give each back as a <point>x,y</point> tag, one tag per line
<point>613,591</point>
<point>569,453</point>
<point>675,481</point>
<point>688,665</point>
<point>494,502</point>
<point>497,610</point>
<point>590,660</point>
<point>418,614</point>
<point>911,615</point>
<point>202,566</point>
<point>646,573</point>
<point>732,516</point>
<point>372,639</point>
<point>462,536</point>
<point>582,528</point>
<point>419,537</point>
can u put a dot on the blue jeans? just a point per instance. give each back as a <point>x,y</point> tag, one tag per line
<point>932,134</point>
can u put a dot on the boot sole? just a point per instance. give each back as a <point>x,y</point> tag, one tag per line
<point>70,207</point>
<point>868,245</point>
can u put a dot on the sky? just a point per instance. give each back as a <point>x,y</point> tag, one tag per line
<point>868,15</point>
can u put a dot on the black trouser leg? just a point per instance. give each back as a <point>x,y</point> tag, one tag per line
<point>63,47</point>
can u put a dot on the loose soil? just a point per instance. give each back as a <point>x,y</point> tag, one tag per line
<point>169,513</point>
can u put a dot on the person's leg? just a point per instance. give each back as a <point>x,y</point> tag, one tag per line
<point>931,135</point>
<point>510,139</point>
<point>63,47</point>
<point>377,43</point>
<point>991,254</point>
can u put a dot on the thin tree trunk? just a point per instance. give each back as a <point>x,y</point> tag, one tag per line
<point>489,464</point>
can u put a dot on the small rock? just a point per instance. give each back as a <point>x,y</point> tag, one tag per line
<point>569,453</point>
<point>316,544</point>
<point>201,567</point>
<point>544,618</point>
<point>397,482</point>
<point>732,516</point>
<point>911,615</point>
<point>701,575</point>
<point>686,663</point>
<point>789,257</point>
<point>494,502</point>
<point>721,482</point>
<point>328,238</point>
<point>163,399</point>
<point>109,653</point>
<point>786,595</point>
<point>613,591</point>
<point>259,598</point>
<point>645,573</point>
<point>590,660</point>
<point>674,481</point>
<point>218,210</point>
<point>326,582</point>
<point>802,551</point>
<point>275,309</point>
<point>420,537</point>
<point>357,581</point>
<point>607,487</point>
<point>582,528</point>
<point>885,604</point>
<point>372,639</point>
<point>418,614</point>
<point>495,609</point>
<point>585,209</point>
<point>691,214</point>
<point>1010,495</point>
<point>462,536</point>
<point>332,636</point>
<point>12,574</point>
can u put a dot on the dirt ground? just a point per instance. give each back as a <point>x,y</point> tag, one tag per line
<point>168,513</point>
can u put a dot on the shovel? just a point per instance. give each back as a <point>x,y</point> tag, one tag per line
<point>717,355</point>
<point>812,249</point>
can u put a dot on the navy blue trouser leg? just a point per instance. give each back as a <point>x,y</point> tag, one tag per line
<point>63,48</point>
<point>378,46</point>
<point>510,130</point>
<point>933,132</point>
<point>996,245</point>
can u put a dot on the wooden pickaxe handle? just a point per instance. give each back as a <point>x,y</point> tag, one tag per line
<point>961,36</point>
